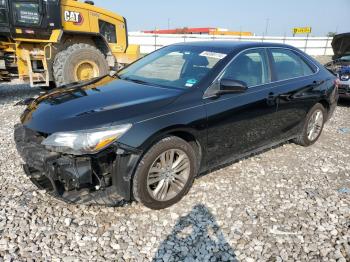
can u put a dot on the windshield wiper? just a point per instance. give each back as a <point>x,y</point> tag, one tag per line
<point>135,80</point>
<point>142,82</point>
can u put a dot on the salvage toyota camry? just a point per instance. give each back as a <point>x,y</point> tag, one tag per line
<point>146,133</point>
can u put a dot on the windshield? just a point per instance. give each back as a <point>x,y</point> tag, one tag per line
<point>174,66</point>
<point>3,12</point>
<point>26,13</point>
<point>346,58</point>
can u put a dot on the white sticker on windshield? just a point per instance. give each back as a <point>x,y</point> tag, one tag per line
<point>213,55</point>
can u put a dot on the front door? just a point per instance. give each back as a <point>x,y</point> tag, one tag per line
<point>240,123</point>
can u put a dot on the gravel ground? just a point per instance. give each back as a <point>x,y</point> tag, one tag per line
<point>286,204</point>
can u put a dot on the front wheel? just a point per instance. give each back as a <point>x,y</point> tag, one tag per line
<point>165,173</point>
<point>313,126</point>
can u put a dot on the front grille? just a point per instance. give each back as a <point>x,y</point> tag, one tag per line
<point>28,143</point>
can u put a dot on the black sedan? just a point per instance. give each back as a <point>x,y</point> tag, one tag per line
<point>146,133</point>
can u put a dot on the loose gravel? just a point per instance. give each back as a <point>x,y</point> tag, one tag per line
<point>287,204</point>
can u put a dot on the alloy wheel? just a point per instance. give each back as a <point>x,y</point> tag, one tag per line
<point>168,175</point>
<point>315,125</point>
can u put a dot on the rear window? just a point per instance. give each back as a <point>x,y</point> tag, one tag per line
<point>289,65</point>
<point>26,13</point>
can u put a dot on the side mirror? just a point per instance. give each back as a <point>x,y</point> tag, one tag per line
<point>228,86</point>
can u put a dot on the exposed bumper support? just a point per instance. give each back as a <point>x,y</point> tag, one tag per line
<point>107,197</point>
<point>103,179</point>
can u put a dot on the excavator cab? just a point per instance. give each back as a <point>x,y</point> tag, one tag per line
<point>33,19</point>
<point>4,21</point>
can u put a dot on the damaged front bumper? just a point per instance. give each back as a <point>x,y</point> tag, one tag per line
<point>104,178</point>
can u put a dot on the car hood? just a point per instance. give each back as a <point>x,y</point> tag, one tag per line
<point>341,45</point>
<point>108,101</point>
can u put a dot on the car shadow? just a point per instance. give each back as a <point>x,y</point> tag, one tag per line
<point>195,237</point>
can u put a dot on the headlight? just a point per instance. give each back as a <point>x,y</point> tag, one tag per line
<point>85,141</point>
<point>345,77</point>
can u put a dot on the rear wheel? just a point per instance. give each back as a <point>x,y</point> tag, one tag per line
<point>165,173</point>
<point>79,62</point>
<point>313,126</point>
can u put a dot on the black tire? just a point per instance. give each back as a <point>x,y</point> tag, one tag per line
<point>303,139</point>
<point>140,190</point>
<point>66,61</point>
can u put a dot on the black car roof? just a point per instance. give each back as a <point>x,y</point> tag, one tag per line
<point>233,45</point>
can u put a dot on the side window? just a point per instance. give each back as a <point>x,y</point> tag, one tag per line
<point>288,64</point>
<point>250,67</point>
<point>108,30</point>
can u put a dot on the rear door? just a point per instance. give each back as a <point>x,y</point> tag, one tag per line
<point>295,86</point>
<point>240,123</point>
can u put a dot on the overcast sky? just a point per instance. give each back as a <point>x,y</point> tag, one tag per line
<point>246,15</point>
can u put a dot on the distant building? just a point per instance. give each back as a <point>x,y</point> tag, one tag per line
<point>200,31</point>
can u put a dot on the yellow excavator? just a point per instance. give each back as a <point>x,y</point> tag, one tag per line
<point>49,43</point>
